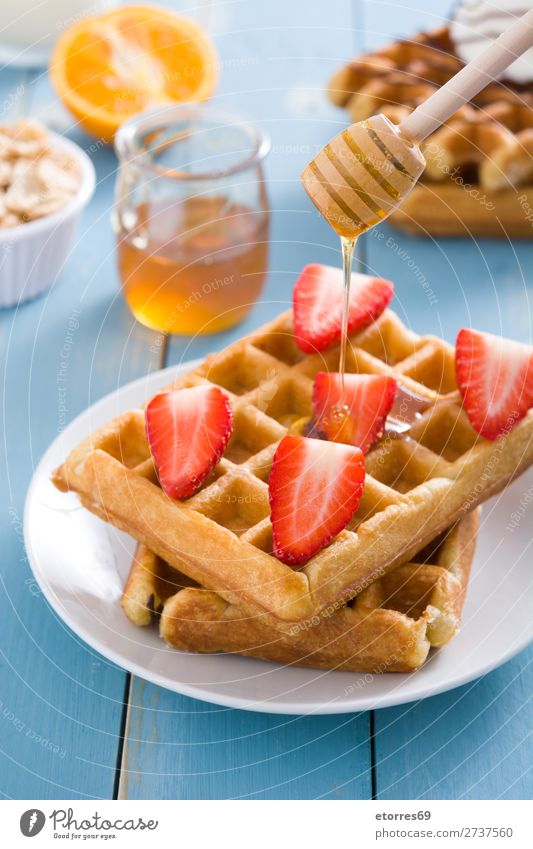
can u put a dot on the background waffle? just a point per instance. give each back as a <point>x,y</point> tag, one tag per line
<point>389,627</point>
<point>475,162</point>
<point>416,485</point>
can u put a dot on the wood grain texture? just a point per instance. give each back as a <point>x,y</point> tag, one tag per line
<point>179,748</point>
<point>61,703</point>
<point>470,743</point>
<point>437,284</point>
<point>176,747</point>
<point>473,742</point>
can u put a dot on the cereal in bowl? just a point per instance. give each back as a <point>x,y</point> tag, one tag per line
<point>36,178</point>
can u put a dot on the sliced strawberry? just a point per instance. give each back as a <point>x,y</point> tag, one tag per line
<point>318,301</point>
<point>314,488</point>
<point>495,378</point>
<point>188,430</point>
<point>359,417</point>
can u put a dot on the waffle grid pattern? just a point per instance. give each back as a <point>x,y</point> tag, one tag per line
<point>416,485</point>
<point>486,146</point>
<point>489,141</point>
<point>398,77</point>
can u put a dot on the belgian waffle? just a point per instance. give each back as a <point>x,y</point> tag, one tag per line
<point>389,627</point>
<point>475,162</point>
<point>416,66</point>
<point>417,484</point>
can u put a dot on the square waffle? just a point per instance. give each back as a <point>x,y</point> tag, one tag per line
<point>479,175</point>
<point>389,627</point>
<point>417,484</point>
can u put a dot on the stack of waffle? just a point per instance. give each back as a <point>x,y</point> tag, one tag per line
<point>388,587</point>
<point>479,175</point>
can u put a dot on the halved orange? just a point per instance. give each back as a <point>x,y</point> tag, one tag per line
<point>110,67</point>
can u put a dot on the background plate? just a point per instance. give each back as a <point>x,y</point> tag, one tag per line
<point>81,564</point>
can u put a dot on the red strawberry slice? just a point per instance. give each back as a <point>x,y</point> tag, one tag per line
<point>318,301</point>
<point>359,417</point>
<point>495,378</point>
<point>314,488</point>
<point>188,430</point>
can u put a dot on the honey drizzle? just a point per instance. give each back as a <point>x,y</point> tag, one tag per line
<point>352,226</point>
<point>348,248</point>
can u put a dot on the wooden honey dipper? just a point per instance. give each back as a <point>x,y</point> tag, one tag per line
<point>366,171</point>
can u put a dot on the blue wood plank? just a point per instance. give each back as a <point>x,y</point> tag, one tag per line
<point>179,748</point>
<point>56,687</point>
<point>61,703</point>
<point>423,751</point>
<point>441,286</point>
<point>176,747</point>
<point>470,743</point>
<point>473,742</point>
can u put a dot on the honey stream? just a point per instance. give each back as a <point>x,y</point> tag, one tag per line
<point>348,248</point>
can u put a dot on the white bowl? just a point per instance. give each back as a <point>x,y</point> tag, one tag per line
<point>32,255</point>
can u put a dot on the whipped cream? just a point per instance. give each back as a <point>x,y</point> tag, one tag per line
<point>476,23</point>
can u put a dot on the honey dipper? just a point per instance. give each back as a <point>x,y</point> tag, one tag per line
<point>366,171</point>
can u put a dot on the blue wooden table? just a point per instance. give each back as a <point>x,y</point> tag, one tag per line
<point>74,725</point>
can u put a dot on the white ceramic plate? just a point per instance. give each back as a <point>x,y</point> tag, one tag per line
<point>81,564</point>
